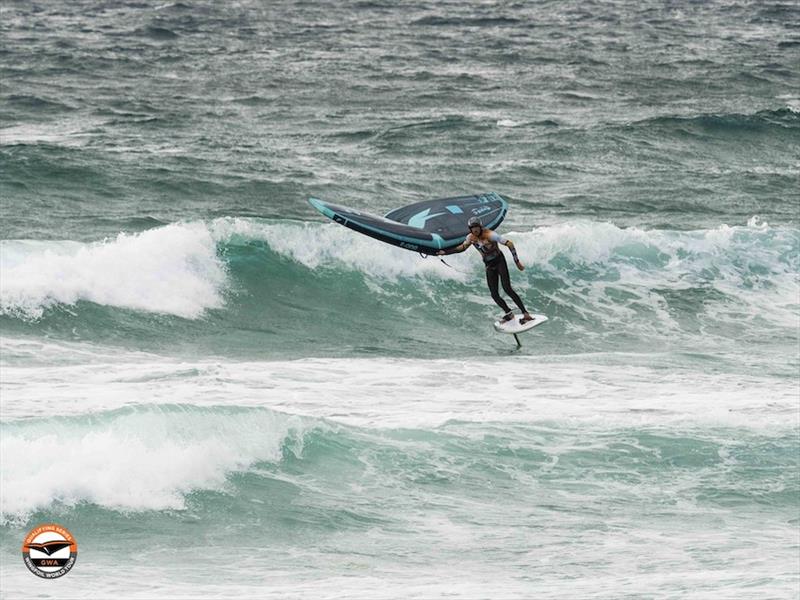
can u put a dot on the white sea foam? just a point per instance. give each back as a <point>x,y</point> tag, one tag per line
<point>316,245</point>
<point>508,123</point>
<point>668,255</point>
<point>755,266</point>
<point>68,132</point>
<point>132,460</point>
<point>136,431</point>
<point>594,390</point>
<point>173,269</point>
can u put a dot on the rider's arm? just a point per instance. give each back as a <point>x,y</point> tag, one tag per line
<point>496,237</point>
<point>460,248</point>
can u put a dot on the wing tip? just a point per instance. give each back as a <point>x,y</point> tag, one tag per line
<point>321,206</point>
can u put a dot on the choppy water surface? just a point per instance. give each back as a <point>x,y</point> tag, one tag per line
<point>220,393</point>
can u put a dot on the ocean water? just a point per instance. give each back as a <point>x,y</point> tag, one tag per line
<point>221,393</point>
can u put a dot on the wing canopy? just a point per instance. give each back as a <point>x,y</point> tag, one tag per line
<point>425,226</point>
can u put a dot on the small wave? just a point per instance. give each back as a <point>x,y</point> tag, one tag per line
<point>783,118</point>
<point>252,100</point>
<point>133,459</point>
<point>152,458</point>
<point>67,133</point>
<point>439,21</point>
<point>577,96</point>
<point>548,123</point>
<point>173,269</point>
<point>157,33</point>
<point>36,102</point>
<point>433,125</point>
<point>175,6</point>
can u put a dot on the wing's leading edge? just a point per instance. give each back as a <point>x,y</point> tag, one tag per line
<point>424,227</point>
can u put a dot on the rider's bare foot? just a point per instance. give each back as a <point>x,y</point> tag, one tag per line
<point>507,317</point>
<point>526,317</point>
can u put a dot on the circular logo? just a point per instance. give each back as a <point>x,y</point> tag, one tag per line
<point>49,551</point>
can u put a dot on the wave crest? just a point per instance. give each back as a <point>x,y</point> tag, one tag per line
<point>142,458</point>
<point>185,269</point>
<point>173,269</point>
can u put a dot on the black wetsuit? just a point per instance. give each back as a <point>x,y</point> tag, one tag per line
<point>497,269</point>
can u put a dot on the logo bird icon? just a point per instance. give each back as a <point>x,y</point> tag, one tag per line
<point>49,547</point>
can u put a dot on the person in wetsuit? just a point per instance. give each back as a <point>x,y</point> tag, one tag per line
<point>487,242</point>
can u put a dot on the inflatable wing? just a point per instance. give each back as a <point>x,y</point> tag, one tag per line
<point>425,227</point>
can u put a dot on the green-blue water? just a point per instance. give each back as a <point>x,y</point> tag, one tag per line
<point>221,393</point>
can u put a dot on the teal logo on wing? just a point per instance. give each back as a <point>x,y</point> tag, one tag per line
<point>419,219</point>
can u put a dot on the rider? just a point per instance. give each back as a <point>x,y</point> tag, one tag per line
<point>487,243</point>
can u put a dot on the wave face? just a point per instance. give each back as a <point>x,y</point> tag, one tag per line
<point>602,285</point>
<point>171,271</point>
<point>113,456</point>
<point>774,123</point>
<point>254,482</point>
<point>115,460</point>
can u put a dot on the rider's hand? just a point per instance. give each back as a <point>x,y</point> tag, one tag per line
<point>519,266</point>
